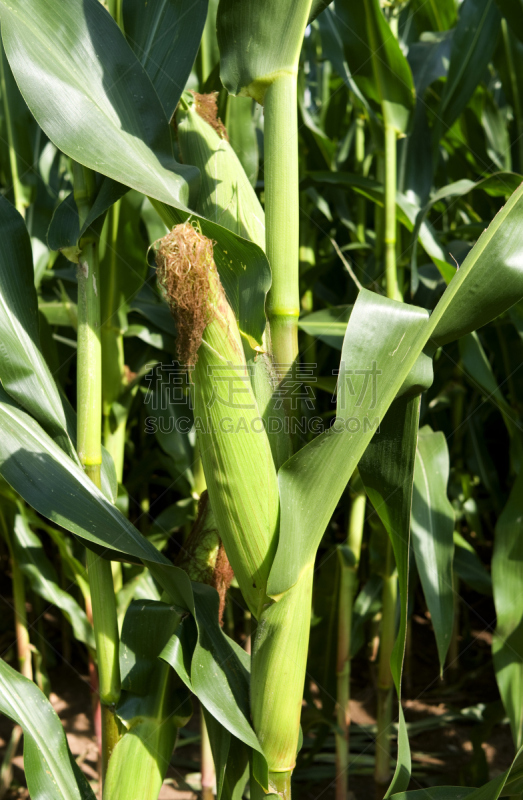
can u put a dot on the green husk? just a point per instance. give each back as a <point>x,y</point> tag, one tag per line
<point>226,195</point>
<point>234,447</point>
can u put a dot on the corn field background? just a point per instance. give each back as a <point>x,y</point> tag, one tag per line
<point>261,416</point>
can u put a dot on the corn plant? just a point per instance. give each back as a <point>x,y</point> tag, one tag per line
<point>107,88</point>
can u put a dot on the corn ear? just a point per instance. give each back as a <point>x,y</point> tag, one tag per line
<point>234,447</point>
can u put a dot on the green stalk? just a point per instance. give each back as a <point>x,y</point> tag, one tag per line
<point>113,360</point>
<point>278,675</point>
<point>23,643</point>
<point>391,277</point>
<point>385,682</point>
<point>349,562</point>
<point>379,213</point>
<point>282,217</point>
<point>18,189</point>
<point>89,437</point>
<point>115,10</point>
<point>361,206</point>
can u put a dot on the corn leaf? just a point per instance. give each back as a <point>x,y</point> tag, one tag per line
<point>434,15</point>
<point>477,366</point>
<point>469,567</point>
<point>241,130</point>
<point>473,45</point>
<point>165,38</point>
<point>381,336</point>
<point>387,471</point>
<point>376,61</point>
<point>392,336</point>
<point>512,10</point>
<point>114,122</point>
<point>55,486</point>
<point>210,664</point>
<point>432,526</point>
<point>151,708</point>
<point>226,195</point>
<point>258,42</point>
<point>23,370</point>
<point>329,324</point>
<point>50,769</point>
<point>508,783</point>
<point>507,574</point>
<point>42,578</point>
<point>231,760</point>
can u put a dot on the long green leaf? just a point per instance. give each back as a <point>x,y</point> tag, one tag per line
<point>387,471</point>
<point>42,578</point>
<point>432,526</point>
<point>473,45</point>
<point>50,769</point>
<point>512,10</point>
<point>376,61</point>
<point>258,42</point>
<point>23,370</point>
<point>392,336</point>
<point>507,577</point>
<point>165,37</point>
<point>150,707</point>
<point>380,337</point>
<point>73,58</point>
<point>59,489</point>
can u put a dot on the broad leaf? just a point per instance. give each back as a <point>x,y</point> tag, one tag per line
<point>73,56</point>
<point>210,664</point>
<point>376,61</point>
<point>258,42</point>
<point>432,526</point>
<point>381,338</point>
<point>507,576</point>
<point>387,471</point>
<point>23,370</point>
<point>389,337</point>
<point>151,708</point>
<point>55,486</point>
<point>165,37</point>
<point>473,45</point>
<point>329,324</point>
<point>49,767</point>
<point>513,11</point>
<point>42,577</point>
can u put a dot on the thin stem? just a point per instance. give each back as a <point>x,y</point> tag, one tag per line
<point>348,585</point>
<point>385,682</point>
<point>282,217</point>
<point>280,783</point>
<point>391,276</point>
<point>361,205</point>
<point>23,643</point>
<point>207,764</point>
<point>113,358</point>
<point>18,189</point>
<point>379,213</point>
<point>89,437</point>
